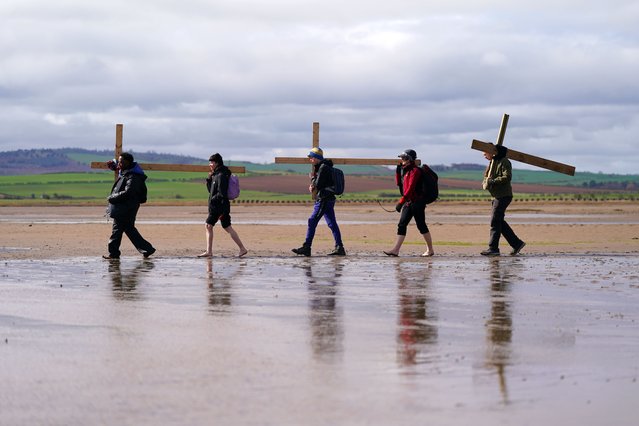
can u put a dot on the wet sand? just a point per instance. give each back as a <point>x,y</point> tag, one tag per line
<point>547,337</point>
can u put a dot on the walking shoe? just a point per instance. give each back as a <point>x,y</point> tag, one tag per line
<point>490,252</point>
<point>516,251</point>
<point>148,253</point>
<point>304,250</point>
<point>338,251</point>
<point>109,257</point>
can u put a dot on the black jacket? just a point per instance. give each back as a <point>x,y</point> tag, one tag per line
<point>128,192</point>
<point>218,186</point>
<point>323,179</point>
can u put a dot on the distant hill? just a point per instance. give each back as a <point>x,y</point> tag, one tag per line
<point>40,161</point>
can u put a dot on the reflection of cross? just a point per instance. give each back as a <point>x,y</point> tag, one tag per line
<point>157,166</point>
<point>520,156</point>
<point>348,161</point>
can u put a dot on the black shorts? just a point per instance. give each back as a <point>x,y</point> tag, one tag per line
<point>223,216</point>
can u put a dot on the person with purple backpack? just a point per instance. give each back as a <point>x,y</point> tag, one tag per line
<point>217,184</point>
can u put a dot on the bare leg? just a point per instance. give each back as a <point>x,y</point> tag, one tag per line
<point>398,244</point>
<point>429,244</point>
<point>237,240</point>
<point>209,242</point>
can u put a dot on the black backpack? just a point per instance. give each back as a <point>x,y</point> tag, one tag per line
<point>430,189</point>
<point>338,181</point>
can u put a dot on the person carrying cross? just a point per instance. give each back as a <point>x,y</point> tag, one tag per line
<point>321,187</point>
<point>412,203</point>
<point>497,177</point>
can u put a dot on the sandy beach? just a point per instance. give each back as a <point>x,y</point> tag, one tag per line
<point>273,230</point>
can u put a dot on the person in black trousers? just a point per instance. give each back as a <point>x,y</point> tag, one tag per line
<point>127,193</point>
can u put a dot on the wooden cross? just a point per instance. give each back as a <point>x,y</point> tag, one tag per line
<point>520,156</point>
<point>157,166</point>
<point>348,161</point>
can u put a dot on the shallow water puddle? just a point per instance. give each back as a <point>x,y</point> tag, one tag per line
<point>320,340</point>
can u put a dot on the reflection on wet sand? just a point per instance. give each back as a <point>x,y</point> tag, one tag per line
<point>220,295</point>
<point>416,329</point>
<point>499,327</point>
<point>125,282</point>
<point>325,316</point>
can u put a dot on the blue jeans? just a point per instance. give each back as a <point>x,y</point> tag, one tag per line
<point>324,208</point>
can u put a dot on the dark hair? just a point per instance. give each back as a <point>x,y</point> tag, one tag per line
<point>127,156</point>
<point>217,158</point>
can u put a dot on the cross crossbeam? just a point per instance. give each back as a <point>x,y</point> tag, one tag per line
<point>341,161</point>
<point>158,166</point>
<point>520,156</point>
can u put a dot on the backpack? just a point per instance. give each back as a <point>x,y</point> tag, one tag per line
<point>338,181</point>
<point>430,190</point>
<point>234,187</point>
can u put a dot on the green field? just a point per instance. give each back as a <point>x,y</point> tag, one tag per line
<point>176,187</point>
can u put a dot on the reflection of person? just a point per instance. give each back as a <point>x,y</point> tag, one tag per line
<point>321,185</point>
<point>125,284</point>
<point>219,290</point>
<point>127,193</point>
<point>217,184</point>
<point>497,179</point>
<point>412,203</point>
<point>325,316</point>
<point>500,325</point>
<point>416,322</point>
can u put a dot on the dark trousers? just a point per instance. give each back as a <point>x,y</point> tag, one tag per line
<point>126,225</point>
<point>417,210</point>
<point>499,227</point>
<point>324,208</point>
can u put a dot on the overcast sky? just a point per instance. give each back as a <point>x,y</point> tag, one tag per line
<point>247,78</point>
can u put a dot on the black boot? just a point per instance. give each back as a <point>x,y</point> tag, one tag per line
<point>338,251</point>
<point>304,250</point>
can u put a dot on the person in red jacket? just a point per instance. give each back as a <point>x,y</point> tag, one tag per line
<point>412,203</point>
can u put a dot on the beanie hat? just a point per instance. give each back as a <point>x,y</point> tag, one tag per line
<point>409,153</point>
<point>316,153</point>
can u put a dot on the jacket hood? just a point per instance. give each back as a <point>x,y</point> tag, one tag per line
<point>136,170</point>
<point>327,162</point>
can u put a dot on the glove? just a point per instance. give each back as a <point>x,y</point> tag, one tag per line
<point>398,207</point>
<point>398,169</point>
<point>112,164</point>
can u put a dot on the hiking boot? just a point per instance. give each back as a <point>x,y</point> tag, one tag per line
<point>338,251</point>
<point>148,253</point>
<point>110,257</point>
<point>304,250</point>
<point>490,252</point>
<point>516,251</point>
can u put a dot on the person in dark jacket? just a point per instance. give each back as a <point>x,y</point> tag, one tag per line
<point>127,193</point>
<point>217,184</point>
<point>497,179</point>
<point>412,203</point>
<point>322,188</point>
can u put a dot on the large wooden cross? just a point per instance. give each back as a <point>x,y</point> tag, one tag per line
<point>157,166</point>
<point>346,161</point>
<point>520,156</point>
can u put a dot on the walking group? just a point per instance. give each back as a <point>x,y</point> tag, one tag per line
<point>129,191</point>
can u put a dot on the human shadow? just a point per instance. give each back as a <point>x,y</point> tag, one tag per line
<point>417,318</point>
<point>125,281</point>
<point>325,314</point>
<point>220,287</point>
<point>499,327</point>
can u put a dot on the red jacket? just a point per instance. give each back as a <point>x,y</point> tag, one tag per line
<point>411,183</point>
